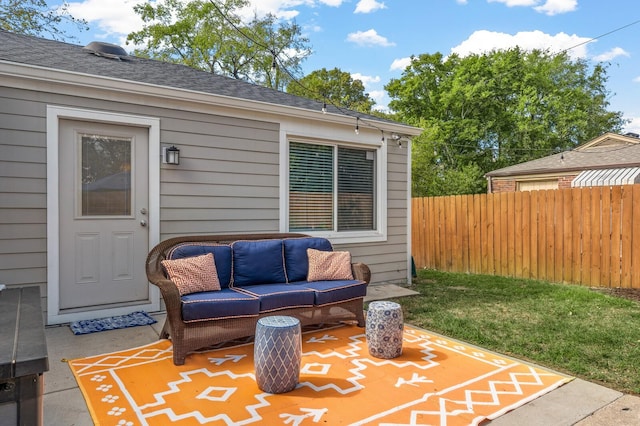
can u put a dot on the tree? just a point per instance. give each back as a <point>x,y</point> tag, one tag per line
<point>336,87</point>
<point>210,36</point>
<point>484,112</point>
<point>34,17</point>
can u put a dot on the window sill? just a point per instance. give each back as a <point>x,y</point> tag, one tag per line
<point>349,237</point>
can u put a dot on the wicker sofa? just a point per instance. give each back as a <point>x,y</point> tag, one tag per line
<point>259,275</point>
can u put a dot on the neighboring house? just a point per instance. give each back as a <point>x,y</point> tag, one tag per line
<point>609,159</point>
<point>85,192</point>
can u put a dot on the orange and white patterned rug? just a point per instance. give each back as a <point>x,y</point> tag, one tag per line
<point>436,381</point>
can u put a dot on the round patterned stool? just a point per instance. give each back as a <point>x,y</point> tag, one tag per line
<point>384,329</point>
<point>277,352</point>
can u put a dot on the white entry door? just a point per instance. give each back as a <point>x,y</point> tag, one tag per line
<point>103,215</point>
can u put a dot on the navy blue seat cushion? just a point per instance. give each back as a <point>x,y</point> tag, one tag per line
<point>327,292</point>
<point>258,262</point>
<point>226,303</point>
<point>221,256</point>
<point>279,296</point>
<point>295,255</point>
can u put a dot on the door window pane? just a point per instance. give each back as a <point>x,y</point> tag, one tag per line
<point>105,175</point>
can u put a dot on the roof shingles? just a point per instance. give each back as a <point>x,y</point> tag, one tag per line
<point>597,157</point>
<point>68,57</point>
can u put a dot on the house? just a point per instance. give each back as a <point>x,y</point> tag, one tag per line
<point>85,189</point>
<point>609,159</point>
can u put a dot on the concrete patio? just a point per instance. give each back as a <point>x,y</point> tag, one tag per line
<point>576,403</point>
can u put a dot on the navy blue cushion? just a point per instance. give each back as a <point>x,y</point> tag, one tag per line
<point>295,255</point>
<point>327,292</point>
<point>258,262</point>
<point>221,256</point>
<point>278,296</point>
<point>218,304</point>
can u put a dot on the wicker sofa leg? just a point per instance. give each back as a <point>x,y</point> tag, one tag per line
<point>178,359</point>
<point>360,314</point>
<point>179,353</point>
<point>360,319</point>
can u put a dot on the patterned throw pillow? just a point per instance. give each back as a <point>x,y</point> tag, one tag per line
<point>329,265</point>
<point>193,274</point>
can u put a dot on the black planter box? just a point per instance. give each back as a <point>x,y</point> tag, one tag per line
<point>23,356</point>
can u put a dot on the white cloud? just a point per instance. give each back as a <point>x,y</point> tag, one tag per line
<point>114,18</point>
<point>315,28</point>
<point>281,9</point>
<point>462,1</point>
<point>379,96</point>
<point>633,126</point>
<point>368,6</point>
<point>514,3</point>
<point>548,7</point>
<point>483,41</point>
<point>367,80</point>
<point>555,7</point>
<point>611,54</point>
<point>332,3</point>
<point>636,80</point>
<point>369,38</point>
<point>400,64</point>
<point>285,9</point>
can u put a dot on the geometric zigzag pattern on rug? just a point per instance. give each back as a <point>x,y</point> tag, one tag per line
<point>436,380</point>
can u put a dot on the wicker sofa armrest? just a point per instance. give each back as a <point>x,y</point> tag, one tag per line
<point>171,296</point>
<point>361,272</point>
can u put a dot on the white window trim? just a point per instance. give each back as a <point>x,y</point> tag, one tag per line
<point>351,237</point>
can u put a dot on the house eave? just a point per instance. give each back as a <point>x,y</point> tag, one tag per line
<point>31,73</point>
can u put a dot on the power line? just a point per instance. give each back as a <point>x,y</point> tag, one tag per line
<point>600,36</point>
<point>293,78</point>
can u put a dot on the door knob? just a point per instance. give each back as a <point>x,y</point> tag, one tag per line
<point>143,222</point>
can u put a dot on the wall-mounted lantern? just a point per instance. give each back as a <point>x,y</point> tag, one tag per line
<point>171,155</point>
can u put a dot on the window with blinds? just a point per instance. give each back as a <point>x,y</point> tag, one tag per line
<point>331,188</point>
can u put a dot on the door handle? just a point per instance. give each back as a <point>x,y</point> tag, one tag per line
<point>143,223</point>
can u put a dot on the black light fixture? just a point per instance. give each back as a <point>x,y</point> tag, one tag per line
<point>172,155</point>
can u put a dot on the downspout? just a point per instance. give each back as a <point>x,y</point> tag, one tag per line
<point>409,218</point>
<point>489,189</point>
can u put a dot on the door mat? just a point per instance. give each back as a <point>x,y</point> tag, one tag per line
<point>112,323</point>
<point>436,381</point>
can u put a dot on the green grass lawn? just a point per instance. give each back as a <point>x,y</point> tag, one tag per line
<point>567,328</point>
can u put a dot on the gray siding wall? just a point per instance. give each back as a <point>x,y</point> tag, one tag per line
<point>23,188</point>
<point>227,182</point>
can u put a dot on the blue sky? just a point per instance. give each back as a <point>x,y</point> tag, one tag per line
<point>374,39</point>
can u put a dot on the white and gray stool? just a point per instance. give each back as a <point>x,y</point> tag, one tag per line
<point>384,329</point>
<point>277,353</point>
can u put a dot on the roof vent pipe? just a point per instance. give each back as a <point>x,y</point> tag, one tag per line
<point>107,50</point>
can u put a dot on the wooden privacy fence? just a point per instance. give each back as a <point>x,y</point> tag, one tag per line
<point>588,236</point>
